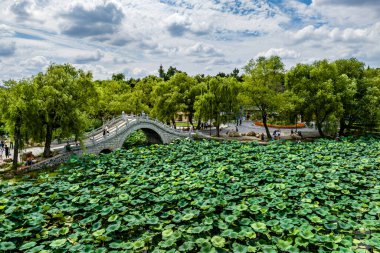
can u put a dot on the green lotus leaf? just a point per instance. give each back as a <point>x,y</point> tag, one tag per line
<point>59,243</point>
<point>186,246</point>
<point>99,232</point>
<point>138,244</point>
<point>106,211</point>
<point>331,226</point>
<point>36,249</point>
<point>272,223</point>
<point>126,245</point>
<point>238,248</point>
<point>306,234</point>
<point>124,196</point>
<point>241,207</point>
<point>7,246</point>
<point>166,233</point>
<point>284,245</point>
<point>245,221</point>
<point>115,245</point>
<point>255,208</point>
<point>64,230</point>
<point>230,218</point>
<point>218,241</point>
<point>315,218</point>
<point>208,221</point>
<point>27,245</point>
<point>187,216</point>
<point>259,226</point>
<point>101,250</point>
<point>293,249</point>
<point>113,217</point>
<point>268,249</point>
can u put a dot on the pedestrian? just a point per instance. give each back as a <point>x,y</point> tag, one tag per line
<point>6,149</point>
<point>11,144</point>
<point>123,116</point>
<point>274,135</point>
<point>107,131</point>
<point>1,154</point>
<point>104,132</point>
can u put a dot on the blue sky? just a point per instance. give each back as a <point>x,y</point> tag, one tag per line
<point>196,36</point>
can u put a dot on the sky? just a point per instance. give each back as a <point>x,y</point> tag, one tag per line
<point>135,37</point>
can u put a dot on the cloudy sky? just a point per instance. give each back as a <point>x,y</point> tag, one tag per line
<point>197,36</point>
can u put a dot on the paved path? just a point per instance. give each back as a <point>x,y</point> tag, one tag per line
<point>248,126</point>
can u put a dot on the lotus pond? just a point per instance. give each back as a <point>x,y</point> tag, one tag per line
<point>202,197</point>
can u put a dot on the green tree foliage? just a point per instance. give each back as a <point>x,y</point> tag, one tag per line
<point>264,86</point>
<point>369,104</point>
<point>112,98</point>
<point>18,111</point>
<point>340,93</point>
<point>317,85</point>
<point>142,97</point>
<point>65,95</point>
<point>218,100</point>
<point>169,73</point>
<point>119,77</point>
<point>170,97</point>
<point>348,85</point>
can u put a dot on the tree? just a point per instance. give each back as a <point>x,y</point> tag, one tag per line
<point>348,85</point>
<point>161,72</point>
<point>18,107</point>
<point>118,77</point>
<point>65,95</point>
<point>318,85</point>
<point>112,98</point>
<point>264,86</point>
<point>218,101</point>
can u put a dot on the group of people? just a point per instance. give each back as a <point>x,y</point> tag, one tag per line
<point>277,134</point>
<point>5,150</point>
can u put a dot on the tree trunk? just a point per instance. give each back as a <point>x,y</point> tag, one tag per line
<point>191,119</point>
<point>342,126</point>
<point>17,136</point>
<point>48,139</point>
<point>174,125</point>
<point>199,124</point>
<point>264,115</point>
<point>319,127</point>
<point>218,130</point>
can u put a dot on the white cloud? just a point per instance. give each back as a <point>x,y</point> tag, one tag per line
<point>203,50</point>
<point>7,49</point>
<point>37,63</point>
<point>89,57</point>
<point>281,52</point>
<point>6,31</point>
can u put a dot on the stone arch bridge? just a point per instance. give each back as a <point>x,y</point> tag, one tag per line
<point>119,130</point>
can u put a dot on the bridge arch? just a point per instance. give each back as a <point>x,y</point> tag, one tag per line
<point>105,151</point>
<point>152,132</point>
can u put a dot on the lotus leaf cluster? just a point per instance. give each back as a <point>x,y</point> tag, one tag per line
<point>202,196</point>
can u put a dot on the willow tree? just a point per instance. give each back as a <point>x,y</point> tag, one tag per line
<point>18,111</point>
<point>264,86</point>
<point>65,95</point>
<point>219,100</point>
